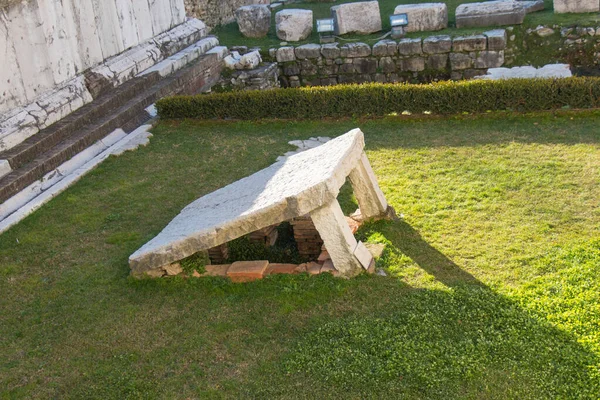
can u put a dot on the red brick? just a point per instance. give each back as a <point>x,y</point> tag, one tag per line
<point>324,256</point>
<point>282,269</point>
<point>245,271</point>
<point>354,225</point>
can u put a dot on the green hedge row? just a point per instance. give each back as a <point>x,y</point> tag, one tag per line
<point>381,99</point>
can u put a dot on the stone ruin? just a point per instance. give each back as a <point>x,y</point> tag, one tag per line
<point>301,188</point>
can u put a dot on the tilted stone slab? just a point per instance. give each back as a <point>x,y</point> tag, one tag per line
<point>424,16</point>
<point>362,17</point>
<point>305,183</point>
<point>576,6</point>
<point>491,13</point>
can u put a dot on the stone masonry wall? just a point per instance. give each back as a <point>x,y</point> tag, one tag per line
<point>217,12</point>
<point>45,43</point>
<point>406,60</point>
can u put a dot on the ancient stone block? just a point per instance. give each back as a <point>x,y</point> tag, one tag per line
<point>533,6</point>
<point>460,61</point>
<point>576,6</point>
<point>362,17</point>
<point>496,39</point>
<point>437,61</point>
<point>293,25</point>
<point>365,65</point>
<point>254,20</point>
<point>469,43</point>
<point>489,59</point>
<point>410,47</point>
<point>291,69</point>
<point>412,64</point>
<point>352,50</point>
<point>285,54</point>
<point>424,16</point>
<point>437,44</point>
<point>387,65</point>
<point>330,50</point>
<point>385,48</point>
<point>491,13</point>
<point>308,51</point>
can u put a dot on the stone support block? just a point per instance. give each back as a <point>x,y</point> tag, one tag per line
<point>424,16</point>
<point>410,47</point>
<point>370,198</point>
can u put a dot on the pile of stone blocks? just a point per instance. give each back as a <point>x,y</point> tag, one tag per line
<point>490,13</point>
<point>576,6</point>
<point>361,17</point>
<point>391,61</point>
<point>424,16</point>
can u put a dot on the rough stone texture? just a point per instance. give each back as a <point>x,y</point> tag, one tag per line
<point>330,50</point>
<point>489,59</point>
<point>352,50</point>
<point>261,78</point>
<point>460,61</point>
<point>547,71</point>
<point>45,43</point>
<point>217,12</point>
<point>305,183</point>
<point>533,6</point>
<point>56,103</point>
<point>469,43</point>
<point>491,13</point>
<point>496,39</point>
<point>424,16</point>
<point>4,168</point>
<point>409,47</point>
<point>437,61</point>
<point>437,44</point>
<point>293,25</point>
<point>254,21</point>
<point>413,64</point>
<point>246,62</point>
<point>308,51</point>
<point>576,6</point>
<point>385,48</point>
<point>285,54</point>
<point>361,17</point>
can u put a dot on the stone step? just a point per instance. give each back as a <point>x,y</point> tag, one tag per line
<point>123,108</point>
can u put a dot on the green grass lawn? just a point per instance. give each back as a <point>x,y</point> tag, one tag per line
<point>493,293</point>
<point>229,35</point>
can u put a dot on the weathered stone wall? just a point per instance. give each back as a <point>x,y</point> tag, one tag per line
<point>217,12</point>
<point>45,43</point>
<point>435,57</point>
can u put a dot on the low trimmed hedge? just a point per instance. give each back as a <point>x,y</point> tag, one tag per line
<point>381,99</point>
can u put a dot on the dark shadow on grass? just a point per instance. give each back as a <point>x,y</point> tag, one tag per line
<point>469,342</point>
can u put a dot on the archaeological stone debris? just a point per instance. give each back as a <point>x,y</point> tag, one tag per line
<point>303,184</point>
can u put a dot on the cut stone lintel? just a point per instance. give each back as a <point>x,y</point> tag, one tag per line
<point>370,198</point>
<point>305,183</point>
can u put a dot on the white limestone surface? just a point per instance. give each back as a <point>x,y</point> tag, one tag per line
<point>293,25</point>
<point>547,71</point>
<point>576,6</point>
<point>5,168</point>
<point>45,43</point>
<point>362,17</point>
<point>289,188</point>
<point>424,16</point>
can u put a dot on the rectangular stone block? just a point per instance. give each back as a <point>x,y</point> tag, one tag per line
<point>424,16</point>
<point>362,17</point>
<point>437,61</point>
<point>245,271</point>
<point>437,44</point>
<point>489,59</point>
<point>491,13</point>
<point>352,50</point>
<point>412,64</point>
<point>460,61</point>
<point>385,48</point>
<point>410,47</point>
<point>576,6</point>
<point>469,43</point>
<point>496,39</point>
